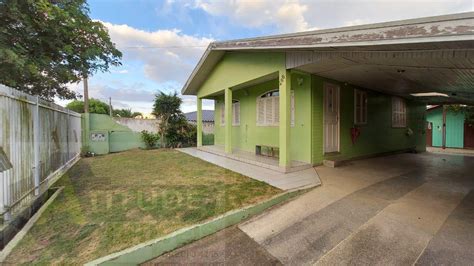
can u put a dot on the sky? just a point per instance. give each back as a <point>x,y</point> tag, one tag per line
<point>162,41</point>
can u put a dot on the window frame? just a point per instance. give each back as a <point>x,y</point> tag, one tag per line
<point>363,107</point>
<point>275,96</point>
<point>235,103</point>
<point>399,107</point>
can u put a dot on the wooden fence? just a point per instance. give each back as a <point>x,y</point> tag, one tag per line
<point>38,141</point>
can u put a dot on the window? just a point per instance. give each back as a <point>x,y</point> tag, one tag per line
<point>235,113</point>
<point>399,112</point>
<point>268,109</point>
<point>360,107</point>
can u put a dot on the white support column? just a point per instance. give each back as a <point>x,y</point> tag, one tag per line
<point>36,140</point>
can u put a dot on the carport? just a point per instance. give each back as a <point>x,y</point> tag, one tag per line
<point>429,57</point>
<point>392,210</point>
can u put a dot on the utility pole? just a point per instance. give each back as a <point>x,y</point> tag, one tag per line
<point>86,95</point>
<point>110,106</point>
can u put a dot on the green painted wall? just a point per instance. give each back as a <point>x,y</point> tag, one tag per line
<point>306,142</point>
<point>377,136</point>
<point>118,137</point>
<point>230,72</point>
<point>454,128</point>
<point>248,134</point>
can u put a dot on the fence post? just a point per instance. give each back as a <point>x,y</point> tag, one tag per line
<point>67,135</point>
<point>36,140</point>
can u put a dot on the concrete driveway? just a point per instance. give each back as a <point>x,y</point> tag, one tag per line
<point>400,209</point>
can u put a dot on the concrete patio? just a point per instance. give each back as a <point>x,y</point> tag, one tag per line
<point>259,168</point>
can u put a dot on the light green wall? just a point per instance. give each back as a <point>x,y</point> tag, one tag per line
<point>454,128</point>
<point>118,137</point>
<point>377,136</point>
<point>237,67</point>
<point>306,142</point>
<point>248,134</point>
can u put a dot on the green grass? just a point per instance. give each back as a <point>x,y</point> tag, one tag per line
<point>116,201</point>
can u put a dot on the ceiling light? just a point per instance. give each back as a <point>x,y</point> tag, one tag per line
<point>429,94</point>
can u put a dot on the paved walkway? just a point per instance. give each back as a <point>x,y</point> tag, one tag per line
<point>285,181</point>
<point>466,152</point>
<point>393,210</point>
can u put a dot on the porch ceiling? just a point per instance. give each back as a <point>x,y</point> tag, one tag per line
<point>400,70</point>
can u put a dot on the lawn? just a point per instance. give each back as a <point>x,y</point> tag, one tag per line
<point>116,201</point>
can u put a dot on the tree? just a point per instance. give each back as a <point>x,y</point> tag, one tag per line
<point>95,106</point>
<point>126,113</point>
<point>46,44</point>
<point>165,107</point>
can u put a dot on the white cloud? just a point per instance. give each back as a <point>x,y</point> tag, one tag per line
<point>286,15</point>
<point>167,55</point>
<point>300,15</point>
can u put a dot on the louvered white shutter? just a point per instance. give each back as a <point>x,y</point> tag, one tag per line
<point>236,113</point>
<point>268,111</point>
<point>276,111</point>
<point>260,111</point>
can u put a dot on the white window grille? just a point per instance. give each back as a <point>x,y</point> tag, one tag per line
<point>399,112</point>
<point>360,107</point>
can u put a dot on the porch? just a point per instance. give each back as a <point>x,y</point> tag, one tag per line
<point>271,163</point>
<point>258,167</point>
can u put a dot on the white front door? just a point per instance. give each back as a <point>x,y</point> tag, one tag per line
<point>331,118</point>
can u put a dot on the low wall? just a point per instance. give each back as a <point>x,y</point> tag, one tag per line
<point>107,135</point>
<point>138,125</point>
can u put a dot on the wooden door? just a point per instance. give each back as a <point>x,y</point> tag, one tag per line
<point>331,117</point>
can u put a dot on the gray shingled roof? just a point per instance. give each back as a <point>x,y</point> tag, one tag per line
<point>207,116</point>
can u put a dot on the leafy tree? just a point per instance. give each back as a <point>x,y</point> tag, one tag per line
<point>45,44</point>
<point>125,113</point>
<point>165,107</point>
<point>122,112</point>
<point>95,106</point>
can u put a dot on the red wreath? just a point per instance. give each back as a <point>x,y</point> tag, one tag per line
<point>355,133</point>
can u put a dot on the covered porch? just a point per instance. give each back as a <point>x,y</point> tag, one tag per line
<point>236,127</point>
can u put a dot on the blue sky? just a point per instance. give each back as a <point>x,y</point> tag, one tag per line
<point>162,40</point>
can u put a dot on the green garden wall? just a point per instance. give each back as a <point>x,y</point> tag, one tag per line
<point>377,136</point>
<point>117,137</point>
<point>248,134</point>
<point>454,128</point>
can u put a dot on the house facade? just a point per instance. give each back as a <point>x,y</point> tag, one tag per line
<point>459,133</point>
<point>319,96</point>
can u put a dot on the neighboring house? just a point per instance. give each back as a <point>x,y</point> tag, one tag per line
<point>458,133</point>
<point>333,94</point>
<point>207,120</point>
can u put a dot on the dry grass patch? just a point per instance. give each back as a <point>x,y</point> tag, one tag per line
<point>116,201</point>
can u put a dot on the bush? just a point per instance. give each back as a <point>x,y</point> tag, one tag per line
<point>150,139</point>
<point>180,133</point>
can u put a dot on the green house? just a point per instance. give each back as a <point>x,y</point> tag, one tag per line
<point>454,128</point>
<point>333,94</point>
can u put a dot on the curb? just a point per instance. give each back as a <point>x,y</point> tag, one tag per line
<point>151,249</point>
<point>19,236</point>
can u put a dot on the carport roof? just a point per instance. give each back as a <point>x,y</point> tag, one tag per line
<point>399,57</point>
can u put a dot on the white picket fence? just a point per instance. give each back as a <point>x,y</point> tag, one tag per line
<point>38,140</point>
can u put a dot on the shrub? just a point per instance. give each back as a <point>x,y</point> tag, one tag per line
<point>208,139</point>
<point>150,139</point>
